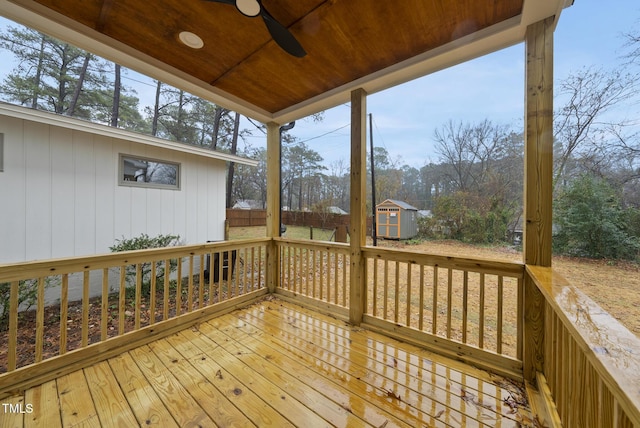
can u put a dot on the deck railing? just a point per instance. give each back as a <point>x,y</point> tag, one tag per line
<point>469,308</point>
<point>57,306</point>
<point>590,362</point>
<point>318,271</point>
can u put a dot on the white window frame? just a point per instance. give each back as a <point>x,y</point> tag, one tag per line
<point>126,177</point>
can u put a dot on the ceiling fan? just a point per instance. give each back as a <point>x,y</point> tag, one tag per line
<point>281,35</point>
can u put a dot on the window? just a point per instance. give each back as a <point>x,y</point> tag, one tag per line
<point>145,172</point>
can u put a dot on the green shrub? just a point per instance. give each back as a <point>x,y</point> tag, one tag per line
<point>592,223</point>
<point>144,242</point>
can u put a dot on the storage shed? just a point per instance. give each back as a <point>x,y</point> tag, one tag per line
<point>396,220</point>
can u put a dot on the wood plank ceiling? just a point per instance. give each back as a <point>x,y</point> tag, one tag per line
<point>345,40</point>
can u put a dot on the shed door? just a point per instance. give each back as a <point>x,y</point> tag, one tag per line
<point>382,222</point>
<point>388,222</point>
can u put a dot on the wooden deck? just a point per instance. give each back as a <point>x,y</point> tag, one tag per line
<point>273,364</point>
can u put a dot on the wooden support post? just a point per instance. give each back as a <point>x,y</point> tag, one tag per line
<point>538,158</point>
<point>357,227</point>
<point>538,184</point>
<point>273,204</point>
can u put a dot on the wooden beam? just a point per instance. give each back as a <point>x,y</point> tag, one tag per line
<point>273,203</point>
<point>538,184</point>
<point>358,224</point>
<point>538,161</point>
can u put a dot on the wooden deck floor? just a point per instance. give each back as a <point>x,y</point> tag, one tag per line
<point>273,364</point>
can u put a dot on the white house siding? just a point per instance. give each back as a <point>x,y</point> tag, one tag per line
<point>59,194</point>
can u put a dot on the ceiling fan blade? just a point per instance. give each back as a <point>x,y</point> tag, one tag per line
<point>282,35</point>
<point>279,32</point>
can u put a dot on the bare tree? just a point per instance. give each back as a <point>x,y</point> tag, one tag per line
<point>582,121</point>
<point>469,151</point>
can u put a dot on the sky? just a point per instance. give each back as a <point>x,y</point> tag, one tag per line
<point>589,33</point>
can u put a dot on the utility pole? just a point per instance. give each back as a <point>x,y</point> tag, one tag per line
<point>374,234</point>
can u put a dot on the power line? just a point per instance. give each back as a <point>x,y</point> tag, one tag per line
<point>323,135</point>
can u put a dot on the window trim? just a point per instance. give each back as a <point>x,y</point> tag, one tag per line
<point>131,183</point>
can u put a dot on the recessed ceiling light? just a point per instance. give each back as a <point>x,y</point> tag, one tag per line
<point>249,8</point>
<point>190,39</point>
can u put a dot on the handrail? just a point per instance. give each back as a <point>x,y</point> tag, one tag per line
<point>16,271</point>
<point>591,362</point>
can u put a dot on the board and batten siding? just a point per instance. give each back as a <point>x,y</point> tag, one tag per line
<point>60,193</point>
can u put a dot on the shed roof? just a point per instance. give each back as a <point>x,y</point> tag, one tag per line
<point>400,204</point>
<point>369,44</point>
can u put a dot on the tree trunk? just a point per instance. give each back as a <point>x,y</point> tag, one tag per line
<point>216,126</point>
<point>116,98</point>
<point>78,90</point>
<point>156,110</point>
<point>36,84</point>
<point>234,148</point>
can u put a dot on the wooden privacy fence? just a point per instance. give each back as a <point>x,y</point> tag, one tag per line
<point>249,218</point>
<point>246,218</point>
<point>138,290</point>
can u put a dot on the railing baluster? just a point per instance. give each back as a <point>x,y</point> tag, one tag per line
<point>335,279</point>
<point>179,285</point>
<point>152,292</point>
<point>166,291</point>
<point>253,268</point>
<point>520,319</point>
<point>434,313</point>
<point>64,312</point>
<point>211,267</point>
<point>233,271</point>
<point>465,304</point>
<point>13,325</point>
<point>375,286</point>
<point>396,296</point>
<point>409,291</point>
<point>138,297</point>
<point>245,265</point>
<point>449,297</point>
<point>104,308</point>
<point>328,285</point>
<point>481,316</point>
<point>201,284</point>
<point>314,269</point>
<point>40,320</point>
<point>85,307</point>
<point>421,308</point>
<point>500,305</point>
<point>385,294</point>
<point>190,285</point>
<point>121,299</point>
